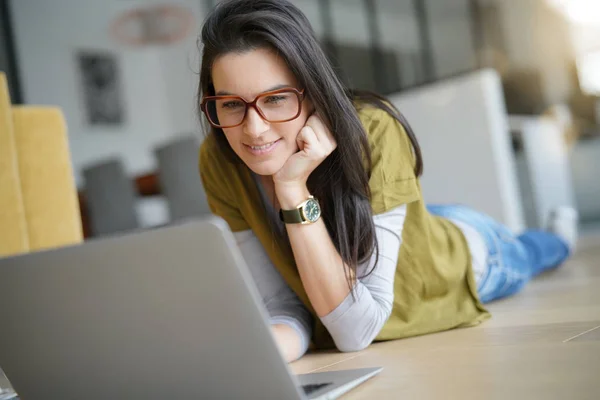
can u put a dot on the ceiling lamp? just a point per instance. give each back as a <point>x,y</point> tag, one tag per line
<point>152,25</point>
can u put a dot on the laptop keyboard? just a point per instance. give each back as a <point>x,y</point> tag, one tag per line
<point>308,389</point>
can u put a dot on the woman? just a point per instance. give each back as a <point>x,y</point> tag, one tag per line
<point>320,186</point>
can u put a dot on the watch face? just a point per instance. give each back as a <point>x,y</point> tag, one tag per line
<point>312,211</point>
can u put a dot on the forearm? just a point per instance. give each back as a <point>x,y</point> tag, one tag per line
<point>320,265</point>
<point>291,322</point>
<point>357,320</point>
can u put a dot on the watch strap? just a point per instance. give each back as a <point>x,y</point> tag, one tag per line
<point>291,216</point>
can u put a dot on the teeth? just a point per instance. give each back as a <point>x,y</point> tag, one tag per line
<point>262,147</point>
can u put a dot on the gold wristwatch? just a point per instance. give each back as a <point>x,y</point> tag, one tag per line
<point>306,212</point>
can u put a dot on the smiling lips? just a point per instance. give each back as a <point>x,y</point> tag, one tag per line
<point>262,149</point>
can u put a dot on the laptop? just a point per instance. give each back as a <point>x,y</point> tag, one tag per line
<point>165,313</point>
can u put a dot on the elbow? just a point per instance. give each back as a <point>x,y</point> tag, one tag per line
<point>353,342</point>
<point>354,347</point>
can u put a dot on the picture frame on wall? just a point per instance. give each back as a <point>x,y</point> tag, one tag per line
<point>101,88</point>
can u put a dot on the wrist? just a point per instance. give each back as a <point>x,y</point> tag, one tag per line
<point>290,195</point>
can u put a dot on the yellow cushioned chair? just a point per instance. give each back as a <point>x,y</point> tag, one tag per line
<point>39,208</point>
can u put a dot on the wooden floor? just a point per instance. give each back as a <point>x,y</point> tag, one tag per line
<point>543,343</point>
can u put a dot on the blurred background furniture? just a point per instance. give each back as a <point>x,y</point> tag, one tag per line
<point>585,163</point>
<point>179,178</point>
<point>543,167</point>
<point>112,201</point>
<point>110,198</point>
<point>38,197</point>
<point>462,127</point>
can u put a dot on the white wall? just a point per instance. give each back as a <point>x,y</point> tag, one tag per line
<point>180,64</point>
<point>586,41</point>
<point>585,38</point>
<point>157,83</point>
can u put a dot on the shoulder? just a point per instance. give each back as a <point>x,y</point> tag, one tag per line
<point>392,180</point>
<point>374,118</point>
<point>222,184</point>
<point>387,138</point>
<point>213,163</point>
<point>214,168</point>
<point>209,152</point>
<point>370,115</point>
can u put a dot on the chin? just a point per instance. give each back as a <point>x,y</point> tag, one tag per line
<point>267,168</point>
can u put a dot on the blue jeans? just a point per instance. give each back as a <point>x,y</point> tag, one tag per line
<point>512,260</point>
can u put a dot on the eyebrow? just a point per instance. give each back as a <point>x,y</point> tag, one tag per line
<point>276,87</point>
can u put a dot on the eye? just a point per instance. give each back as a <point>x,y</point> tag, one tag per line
<point>275,99</point>
<point>232,104</point>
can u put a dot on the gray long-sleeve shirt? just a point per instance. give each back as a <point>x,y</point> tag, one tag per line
<point>357,320</point>
<point>365,313</point>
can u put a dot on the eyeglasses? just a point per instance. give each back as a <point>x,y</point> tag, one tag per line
<point>280,105</point>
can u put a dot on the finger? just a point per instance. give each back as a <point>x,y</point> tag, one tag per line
<point>315,122</point>
<point>307,140</point>
<point>324,135</point>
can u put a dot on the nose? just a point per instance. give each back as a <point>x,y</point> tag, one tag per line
<point>254,125</point>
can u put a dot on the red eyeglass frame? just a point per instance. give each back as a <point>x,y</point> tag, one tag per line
<point>298,93</point>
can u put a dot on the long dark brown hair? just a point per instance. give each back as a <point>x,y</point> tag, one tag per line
<point>341,182</point>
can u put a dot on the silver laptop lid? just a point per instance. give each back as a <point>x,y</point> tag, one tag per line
<point>167,313</point>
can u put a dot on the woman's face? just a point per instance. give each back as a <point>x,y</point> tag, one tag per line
<point>263,146</point>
